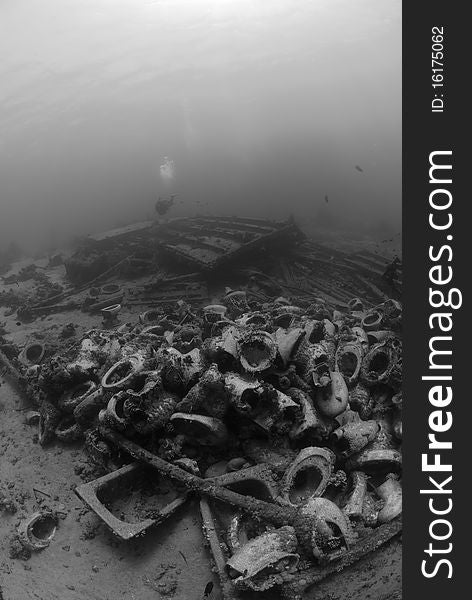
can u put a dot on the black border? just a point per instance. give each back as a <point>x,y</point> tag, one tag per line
<point>424,132</point>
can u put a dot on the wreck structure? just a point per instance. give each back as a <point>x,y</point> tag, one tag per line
<point>251,370</point>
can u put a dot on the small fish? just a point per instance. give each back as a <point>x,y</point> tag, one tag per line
<point>359,169</point>
<point>183,556</point>
<point>326,199</point>
<point>208,589</point>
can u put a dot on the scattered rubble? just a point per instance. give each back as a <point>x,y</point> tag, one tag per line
<point>36,531</point>
<point>209,392</point>
<point>278,402</point>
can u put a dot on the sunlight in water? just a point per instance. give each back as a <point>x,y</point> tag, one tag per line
<point>265,106</point>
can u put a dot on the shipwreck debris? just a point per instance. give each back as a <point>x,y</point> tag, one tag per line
<point>261,563</point>
<point>96,493</point>
<point>209,243</point>
<point>283,387</point>
<point>37,531</point>
<point>206,389</point>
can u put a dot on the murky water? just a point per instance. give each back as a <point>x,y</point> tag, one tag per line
<point>250,106</point>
